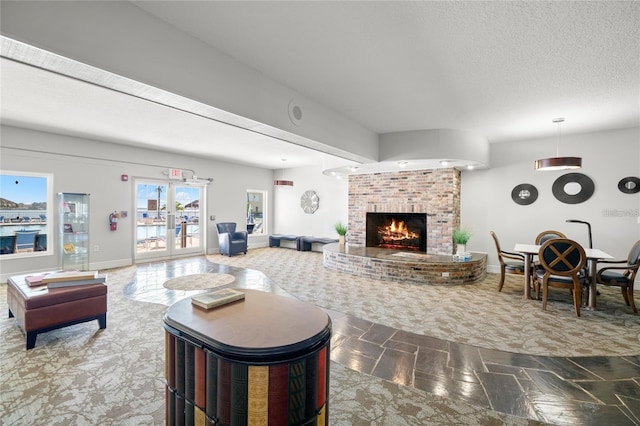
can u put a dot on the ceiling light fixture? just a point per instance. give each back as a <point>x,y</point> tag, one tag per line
<point>557,162</point>
<point>283,181</point>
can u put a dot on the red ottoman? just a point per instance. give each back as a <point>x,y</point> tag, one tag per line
<point>38,310</point>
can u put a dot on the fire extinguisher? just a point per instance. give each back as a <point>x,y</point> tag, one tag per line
<point>113,221</point>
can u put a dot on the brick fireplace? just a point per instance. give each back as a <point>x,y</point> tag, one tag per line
<point>433,192</point>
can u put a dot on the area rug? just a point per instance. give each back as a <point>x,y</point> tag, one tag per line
<point>199,281</point>
<point>475,314</point>
<point>81,375</point>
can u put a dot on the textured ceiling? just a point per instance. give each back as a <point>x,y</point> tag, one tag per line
<point>504,69</point>
<point>501,69</point>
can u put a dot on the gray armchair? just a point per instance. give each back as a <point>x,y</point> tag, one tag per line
<point>231,242</point>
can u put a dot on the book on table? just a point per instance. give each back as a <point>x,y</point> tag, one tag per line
<point>217,298</point>
<point>98,279</point>
<point>34,280</point>
<point>68,276</point>
<point>65,278</point>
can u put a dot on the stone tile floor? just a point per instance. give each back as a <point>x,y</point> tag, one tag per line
<point>557,390</point>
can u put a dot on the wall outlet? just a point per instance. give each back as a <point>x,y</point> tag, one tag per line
<point>96,248</point>
<point>445,274</point>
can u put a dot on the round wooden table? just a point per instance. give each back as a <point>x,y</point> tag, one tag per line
<point>261,360</point>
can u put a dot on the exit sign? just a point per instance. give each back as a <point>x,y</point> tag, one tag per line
<point>175,174</point>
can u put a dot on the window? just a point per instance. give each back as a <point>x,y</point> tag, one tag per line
<point>26,200</point>
<point>256,206</point>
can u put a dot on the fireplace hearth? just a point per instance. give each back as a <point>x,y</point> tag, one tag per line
<point>397,231</point>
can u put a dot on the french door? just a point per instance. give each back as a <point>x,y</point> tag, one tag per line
<point>168,220</point>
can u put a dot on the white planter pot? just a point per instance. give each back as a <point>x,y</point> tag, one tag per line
<point>461,248</point>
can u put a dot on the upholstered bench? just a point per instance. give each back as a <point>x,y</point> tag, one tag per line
<point>305,243</point>
<point>274,240</point>
<point>38,309</point>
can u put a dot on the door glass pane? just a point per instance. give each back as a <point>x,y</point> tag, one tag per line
<point>151,218</point>
<point>187,210</point>
<point>256,220</point>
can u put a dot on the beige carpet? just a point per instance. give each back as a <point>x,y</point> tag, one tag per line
<point>199,281</point>
<point>474,314</point>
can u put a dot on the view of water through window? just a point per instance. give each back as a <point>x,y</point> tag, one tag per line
<point>24,214</point>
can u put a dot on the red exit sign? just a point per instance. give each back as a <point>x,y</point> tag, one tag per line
<point>175,174</point>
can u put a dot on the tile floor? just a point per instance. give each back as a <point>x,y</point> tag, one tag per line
<point>557,390</point>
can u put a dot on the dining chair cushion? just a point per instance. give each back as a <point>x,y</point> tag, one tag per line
<point>612,276</point>
<point>634,256</point>
<point>512,267</point>
<point>558,278</point>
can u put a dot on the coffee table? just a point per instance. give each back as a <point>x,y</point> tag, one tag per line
<point>39,309</point>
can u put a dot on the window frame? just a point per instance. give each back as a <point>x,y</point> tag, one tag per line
<point>49,212</point>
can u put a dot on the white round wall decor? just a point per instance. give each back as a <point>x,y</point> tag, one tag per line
<point>309,202</point>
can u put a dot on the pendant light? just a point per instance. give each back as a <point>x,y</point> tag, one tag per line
<point>557,162</point>
<point>282,182</point>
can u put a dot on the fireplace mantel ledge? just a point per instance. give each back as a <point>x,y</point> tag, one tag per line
<point>404,266</point>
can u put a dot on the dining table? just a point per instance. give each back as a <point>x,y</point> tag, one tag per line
<point>593,255</point>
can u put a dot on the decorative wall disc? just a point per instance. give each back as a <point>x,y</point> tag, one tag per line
<point>524,194</point>
<point>573,188</point>
<point>309,202</point>
<point>629,185</point>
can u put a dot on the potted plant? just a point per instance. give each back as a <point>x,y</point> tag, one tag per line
<point>460,238</point>
<point>341,229</point>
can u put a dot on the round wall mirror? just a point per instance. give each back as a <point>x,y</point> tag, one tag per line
<point>629,185</point>
<point>573,188</point>
<point>524,194</point>
<point>309,202</point>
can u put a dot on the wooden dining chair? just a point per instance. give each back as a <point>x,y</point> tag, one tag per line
<point>561,265</point>
<point>623,275</point>
<point>548,235</point>
<point>542,238</point>
<point>510,262</point>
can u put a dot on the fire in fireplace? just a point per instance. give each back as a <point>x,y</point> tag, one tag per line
<point>400,231</point>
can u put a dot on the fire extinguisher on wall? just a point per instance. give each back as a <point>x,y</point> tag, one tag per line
<point>113,221</point>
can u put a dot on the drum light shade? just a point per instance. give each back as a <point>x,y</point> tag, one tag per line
<point>558,163</point>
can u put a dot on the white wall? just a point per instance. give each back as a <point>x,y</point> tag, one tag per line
<point>83,165</point>
<point>289,218</point>
<point>87,166</point>
<point>608,156</point>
